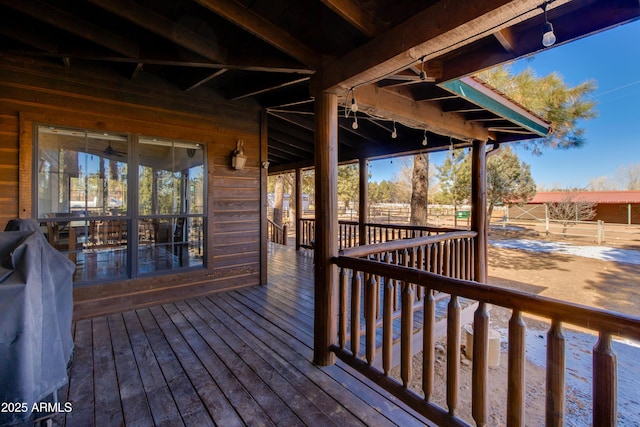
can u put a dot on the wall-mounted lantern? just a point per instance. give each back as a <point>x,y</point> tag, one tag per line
<point>238,159</point>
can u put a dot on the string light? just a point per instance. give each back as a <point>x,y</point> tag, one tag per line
<point>424,141</point>
<point>423,74</point>
<point>354,103</point>
<point>394,133</point>
<point>354,125</point>
<point>548,36</point>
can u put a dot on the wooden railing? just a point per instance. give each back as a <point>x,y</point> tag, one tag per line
<point>368,287</point>
<point>349,235</point>
<point>276,233</point>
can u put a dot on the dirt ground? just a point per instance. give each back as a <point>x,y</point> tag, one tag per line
<point>602,284</point>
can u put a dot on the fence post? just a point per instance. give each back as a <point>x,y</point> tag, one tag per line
<point>546,218</point>
<point>284,234</point>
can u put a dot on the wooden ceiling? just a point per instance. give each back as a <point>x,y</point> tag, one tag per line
<point>278,53</point>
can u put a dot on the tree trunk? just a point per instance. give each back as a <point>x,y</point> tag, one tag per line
<point>278,200</point>
<point>419,189</point>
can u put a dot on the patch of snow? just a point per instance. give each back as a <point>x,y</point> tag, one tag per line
<point>623,256</point>
<point>579,375</point>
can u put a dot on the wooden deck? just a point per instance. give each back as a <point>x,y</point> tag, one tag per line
<point>235,358</point>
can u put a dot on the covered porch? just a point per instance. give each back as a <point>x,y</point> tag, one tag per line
<point>234,358</point>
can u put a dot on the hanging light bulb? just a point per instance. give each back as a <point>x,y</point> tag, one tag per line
<point>451,147</point>
<point>354,125</point>
<point>354,104</point>
<point>424,141</point>
<point>423,74</point>
<point>394,134</point>
<point>548,36</point>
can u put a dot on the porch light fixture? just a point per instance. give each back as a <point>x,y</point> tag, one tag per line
<point>548,36</point>
<point>238,159</point>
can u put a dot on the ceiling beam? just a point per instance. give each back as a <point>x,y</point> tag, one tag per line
<point>419,115</point>
<point>270,88</point>
<point>355,15</point>
<point>570,22</point>
<point>163,27</point>
<point>75,25</point>
<point>507,39</point>
<point>206,79</point>
<point>263,29</point>
<point>274,67</point>
<point>442,27</point>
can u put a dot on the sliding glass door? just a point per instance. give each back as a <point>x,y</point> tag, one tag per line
<point>120,205</point>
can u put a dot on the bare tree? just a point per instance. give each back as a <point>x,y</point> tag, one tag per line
<point>569,210</point>
<point>629,176</point>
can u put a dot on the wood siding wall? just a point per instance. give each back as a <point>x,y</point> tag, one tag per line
<point>39,92</point>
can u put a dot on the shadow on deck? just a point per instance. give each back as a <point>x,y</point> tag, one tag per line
<point>236,358</point>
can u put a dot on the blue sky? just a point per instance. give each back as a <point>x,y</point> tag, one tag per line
<point>612,59</point>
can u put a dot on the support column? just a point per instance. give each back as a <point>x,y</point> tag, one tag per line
<point>264,157</point>
<point>363,205</point>
<point>326,245</point>
<point>479,222</point>
<point>298,206</point>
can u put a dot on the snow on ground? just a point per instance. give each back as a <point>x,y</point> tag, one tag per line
<point>624,256</point>
<point>579,345</point>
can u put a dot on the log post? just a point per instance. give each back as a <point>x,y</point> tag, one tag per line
<point>479,222</point>
<point>363,202</point>
<point>326,277</point>
<point>298,207</point>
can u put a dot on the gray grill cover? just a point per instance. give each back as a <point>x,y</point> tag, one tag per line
<point>36,306</point>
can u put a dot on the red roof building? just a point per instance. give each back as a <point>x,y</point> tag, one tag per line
<point>618,207</point>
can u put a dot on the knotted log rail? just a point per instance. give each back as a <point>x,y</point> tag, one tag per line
<point>368,282</point>
<point>276,233</point>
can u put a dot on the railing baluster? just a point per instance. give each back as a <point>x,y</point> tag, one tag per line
<point>406,331</point>
<point>428,344</point>
<point>480,369</point>
<point>387,321</point>
<point>355,313</point>
<point>396,261</point>
<point>605,382</point>
<point>376,295</point>
<point>515,377</point>
<point>453,353</point>
<point>555,375</point>
<point>420,266</point>
<point>370,318</point>
<point>342,331</point>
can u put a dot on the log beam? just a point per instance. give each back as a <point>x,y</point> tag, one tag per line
<point>393,106</point>
<point>163,27</point>
<point>263,29</point>
<point>438,29</point>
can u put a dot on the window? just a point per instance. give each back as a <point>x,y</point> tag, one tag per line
<point>117,215</point>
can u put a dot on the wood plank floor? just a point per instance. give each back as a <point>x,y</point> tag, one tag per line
<point>229,359</point>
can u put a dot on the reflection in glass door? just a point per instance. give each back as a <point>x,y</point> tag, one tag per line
<point>110,229</point>
<point>170,205</point>
<point>82,199</point>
